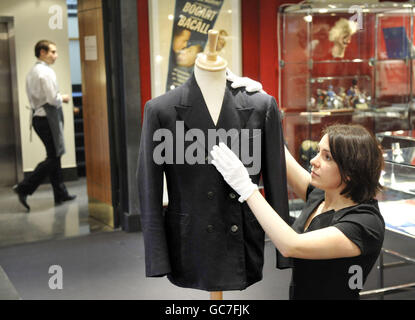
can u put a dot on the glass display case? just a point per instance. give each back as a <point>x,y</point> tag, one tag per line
<point>397,205</point>
<point>397,201</point>
<point>399,171</point>
<point>344,63</point>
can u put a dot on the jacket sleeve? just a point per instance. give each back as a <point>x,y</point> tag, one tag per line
<point>274,170</point>
<point>150,189</point>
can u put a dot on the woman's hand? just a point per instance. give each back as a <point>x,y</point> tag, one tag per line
<point>233,171</point>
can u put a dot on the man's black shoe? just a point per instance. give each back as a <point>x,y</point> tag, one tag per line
<point>22,197</point>
<point>67,197</point>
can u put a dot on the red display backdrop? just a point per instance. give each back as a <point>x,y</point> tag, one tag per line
<point>393,76</point>
<point>144,52</point>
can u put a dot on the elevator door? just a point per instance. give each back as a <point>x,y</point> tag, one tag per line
<point>8,164</point>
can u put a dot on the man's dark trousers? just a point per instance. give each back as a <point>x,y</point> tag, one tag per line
<point>50,167</point>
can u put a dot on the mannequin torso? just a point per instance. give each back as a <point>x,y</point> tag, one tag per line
<point>210,75</point>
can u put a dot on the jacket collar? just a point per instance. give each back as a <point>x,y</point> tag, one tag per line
<point>193,111</point>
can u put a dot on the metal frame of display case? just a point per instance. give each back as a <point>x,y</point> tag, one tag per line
<point>380,293</point>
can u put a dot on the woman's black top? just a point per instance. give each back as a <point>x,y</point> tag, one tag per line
<point>338,278</point>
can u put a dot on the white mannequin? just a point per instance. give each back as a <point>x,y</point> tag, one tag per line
<point>210,74</point>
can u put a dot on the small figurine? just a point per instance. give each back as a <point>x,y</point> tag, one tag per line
<point>353,94</point>
<point>330,91</point>
<point>342,98</point>
<point>313,106</point>
<point>321,97</point>
<point>338,103</point>
<point>362,100</point>
<point>331,95</point>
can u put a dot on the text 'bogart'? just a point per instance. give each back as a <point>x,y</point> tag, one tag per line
<point>198,19</point>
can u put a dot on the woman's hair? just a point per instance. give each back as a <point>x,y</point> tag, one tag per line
<point>359,158</point>
<point>42,45</point>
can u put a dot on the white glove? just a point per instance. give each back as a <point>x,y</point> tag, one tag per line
<point>233,171</point>
<point>249,84</point>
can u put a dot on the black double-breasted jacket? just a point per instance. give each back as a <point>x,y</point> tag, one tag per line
<point>205,238</point>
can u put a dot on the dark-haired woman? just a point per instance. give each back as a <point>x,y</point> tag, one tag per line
<point>337,238</point>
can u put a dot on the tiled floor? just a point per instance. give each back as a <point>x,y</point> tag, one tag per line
<point>45,220</point>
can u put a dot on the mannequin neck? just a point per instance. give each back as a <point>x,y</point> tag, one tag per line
<point>212,84</point>
<point>209,78</point>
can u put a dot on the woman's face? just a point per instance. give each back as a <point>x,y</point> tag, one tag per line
<point>325,173</point>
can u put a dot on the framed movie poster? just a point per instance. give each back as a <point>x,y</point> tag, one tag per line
<point>179,31</point>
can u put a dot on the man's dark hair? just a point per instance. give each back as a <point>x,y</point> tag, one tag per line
<point>359,157</point>
<point>42,45</point>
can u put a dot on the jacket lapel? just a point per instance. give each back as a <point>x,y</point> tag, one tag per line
<point>234,114</point>
<point>192,109</point>
<point>195,114</point>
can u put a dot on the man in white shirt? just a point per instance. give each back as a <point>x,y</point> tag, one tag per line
<point>47,119</point>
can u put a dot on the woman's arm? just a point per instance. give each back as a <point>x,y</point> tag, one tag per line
<point>298,178</point>
<point>326,243</point>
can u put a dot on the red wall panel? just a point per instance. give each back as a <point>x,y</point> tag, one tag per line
<point>144,51</point>
<point>250,38</point>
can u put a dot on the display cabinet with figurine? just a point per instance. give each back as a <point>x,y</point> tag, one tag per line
<point>345,63</point>
<point>354,63</point>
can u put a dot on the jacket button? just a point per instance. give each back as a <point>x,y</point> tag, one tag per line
<point>210,195</point>
<point>232,195</point>
<point>234,228</point>
<point>210,228</point>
